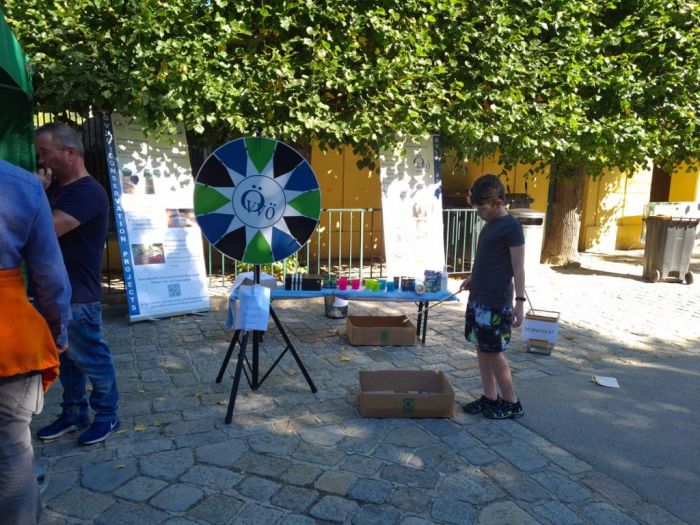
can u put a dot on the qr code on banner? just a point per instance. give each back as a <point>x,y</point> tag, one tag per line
<point>174,290</point>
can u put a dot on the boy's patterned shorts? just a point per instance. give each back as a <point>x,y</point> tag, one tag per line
<point>488,327</point>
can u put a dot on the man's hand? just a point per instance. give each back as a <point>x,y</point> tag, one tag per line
<point>518,313</point>
<point>45,176</point>
<point>465,284</point>
<point>62,348</point>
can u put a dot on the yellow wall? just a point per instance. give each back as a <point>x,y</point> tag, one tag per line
<point>612,210</point>
<point>344,185</point>
<point>515,180</point>
<point>685,185</point>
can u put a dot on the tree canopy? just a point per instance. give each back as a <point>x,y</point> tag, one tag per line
<point>592,84</point>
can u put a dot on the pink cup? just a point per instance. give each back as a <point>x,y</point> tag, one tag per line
<point>342,283</point>
<point>355,283</point>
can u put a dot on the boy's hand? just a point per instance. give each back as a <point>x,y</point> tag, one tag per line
<point>465,284</point>
<point>518,313</point>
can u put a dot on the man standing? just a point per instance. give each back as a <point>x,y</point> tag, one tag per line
<point>28,342</point>
<point>80,216</point>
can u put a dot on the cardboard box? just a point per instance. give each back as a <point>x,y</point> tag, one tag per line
<point>540,331</point>
<point>380,330</point>
<point>300,281</point>
<point>406,393</point>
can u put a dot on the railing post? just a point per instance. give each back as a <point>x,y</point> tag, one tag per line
<point>362,243</point>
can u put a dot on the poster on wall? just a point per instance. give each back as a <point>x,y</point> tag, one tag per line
<point>159,240</point>
<point>412,208</point>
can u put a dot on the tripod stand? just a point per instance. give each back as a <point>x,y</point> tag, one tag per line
<point>252,370</point>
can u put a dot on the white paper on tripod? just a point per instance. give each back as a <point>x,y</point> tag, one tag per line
<point>242,278</point>
<point>252,308</point>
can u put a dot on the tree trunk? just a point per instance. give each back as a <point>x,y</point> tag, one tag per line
<point>561,240</point>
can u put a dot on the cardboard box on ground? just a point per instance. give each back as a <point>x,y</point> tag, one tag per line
<point>380,330</point>
<point>405,393</point>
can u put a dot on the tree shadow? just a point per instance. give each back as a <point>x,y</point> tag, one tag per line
<point>580,270</point>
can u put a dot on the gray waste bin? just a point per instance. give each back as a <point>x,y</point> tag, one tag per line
<point>335,308</point>
<point>533,229</point>
<point>668,247</point>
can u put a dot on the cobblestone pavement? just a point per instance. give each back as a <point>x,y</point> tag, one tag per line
<point>294,457</point>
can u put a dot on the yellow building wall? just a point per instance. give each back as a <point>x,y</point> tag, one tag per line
<point>612,210</point>
<point>685,185</point>
<point>344,185</point>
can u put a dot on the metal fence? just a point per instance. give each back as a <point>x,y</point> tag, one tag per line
<point>461,227</point>
<point>346,242</point>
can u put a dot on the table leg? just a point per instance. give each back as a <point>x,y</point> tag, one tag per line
<point>425,320</point>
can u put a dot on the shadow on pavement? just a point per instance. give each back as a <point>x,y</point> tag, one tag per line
<point>643,434</point>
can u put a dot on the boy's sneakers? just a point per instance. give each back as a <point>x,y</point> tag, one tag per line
<point>61,426</point>
<point>98,431</point>
<point>504,410</point>
<point>480,405</point>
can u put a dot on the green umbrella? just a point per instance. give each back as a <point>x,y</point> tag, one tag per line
<point>16,99</point>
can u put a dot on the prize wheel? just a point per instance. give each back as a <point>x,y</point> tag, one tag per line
<point>257,200</point>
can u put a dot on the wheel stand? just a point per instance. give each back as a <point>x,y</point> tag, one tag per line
<point>252,370</point>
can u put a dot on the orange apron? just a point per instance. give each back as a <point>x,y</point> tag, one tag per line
<point>26,343</point>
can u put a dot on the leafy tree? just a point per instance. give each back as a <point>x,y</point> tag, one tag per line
<point>571,85</point>
<point>577,87</point>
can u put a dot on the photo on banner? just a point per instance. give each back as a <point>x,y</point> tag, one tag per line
<point>159,240</point>
<point>412,208</point>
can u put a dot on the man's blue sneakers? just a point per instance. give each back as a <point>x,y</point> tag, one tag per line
<point>61,426</point>
<point>98,431</point>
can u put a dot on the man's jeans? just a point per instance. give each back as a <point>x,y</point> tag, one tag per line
<point>21,396</point>
<point>88,357</point>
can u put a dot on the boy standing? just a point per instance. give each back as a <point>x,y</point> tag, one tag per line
<point>498,264</point>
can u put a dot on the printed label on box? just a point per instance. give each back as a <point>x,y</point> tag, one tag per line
<point>542,330</point>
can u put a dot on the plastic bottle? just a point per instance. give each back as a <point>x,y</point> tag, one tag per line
<point>443,280</point>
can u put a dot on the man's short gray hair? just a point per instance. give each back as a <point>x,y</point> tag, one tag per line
<point>63,136</point>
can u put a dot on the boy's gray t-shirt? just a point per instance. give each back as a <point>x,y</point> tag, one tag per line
<point>492,274</point>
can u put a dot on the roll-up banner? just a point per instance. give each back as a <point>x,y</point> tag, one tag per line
<point>160,243</point>
<point>412,208</point>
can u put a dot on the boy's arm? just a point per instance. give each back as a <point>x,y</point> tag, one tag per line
<point>517,260</point>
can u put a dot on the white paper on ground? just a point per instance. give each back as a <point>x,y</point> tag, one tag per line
<point>606,381</point>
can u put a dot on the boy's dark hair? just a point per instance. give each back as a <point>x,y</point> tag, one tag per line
<point>487,188</point>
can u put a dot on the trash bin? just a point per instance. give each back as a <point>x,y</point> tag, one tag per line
<point>336,308</point>
<point>533,229</point>
<point>668,247</point>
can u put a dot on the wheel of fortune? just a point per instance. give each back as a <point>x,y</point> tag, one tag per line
<point>257,200</point>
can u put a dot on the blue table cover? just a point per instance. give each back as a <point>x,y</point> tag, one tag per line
<point>351,295</point>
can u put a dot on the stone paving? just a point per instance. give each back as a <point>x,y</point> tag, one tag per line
<point>293,457</point>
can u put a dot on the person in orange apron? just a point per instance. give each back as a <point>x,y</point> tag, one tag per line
<point>30,339</point>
